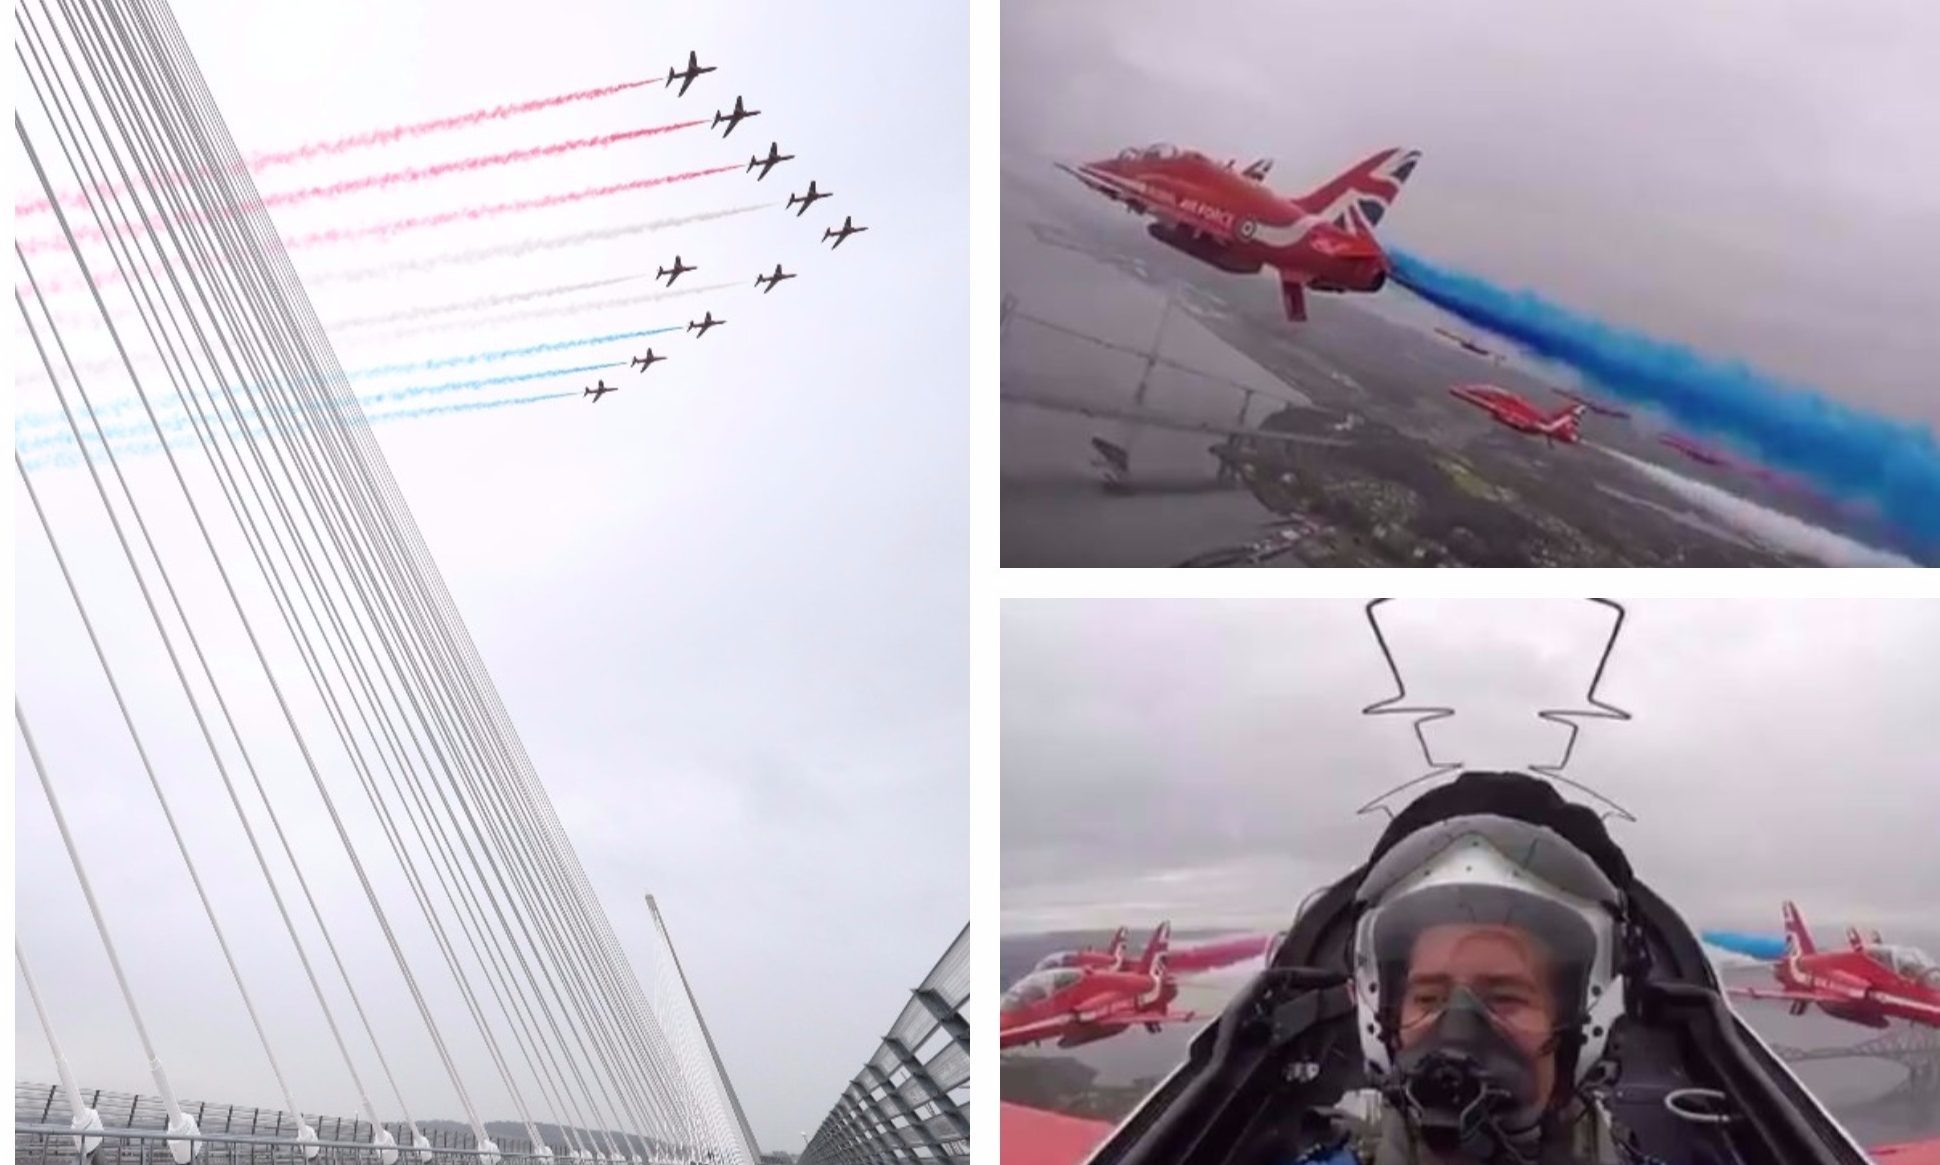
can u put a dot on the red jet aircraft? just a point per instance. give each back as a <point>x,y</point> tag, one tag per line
<point>1520,415</point>
<point>1868,983</point>
<point>1078,1005</point>
<point>1182,960</point>
<point>1232,220</point>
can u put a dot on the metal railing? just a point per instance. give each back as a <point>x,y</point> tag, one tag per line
<point>135,1132</point>
<point>911,1101</point>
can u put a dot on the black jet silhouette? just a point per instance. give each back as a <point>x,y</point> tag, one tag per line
<point>848,228</point>
<point>687,75</point>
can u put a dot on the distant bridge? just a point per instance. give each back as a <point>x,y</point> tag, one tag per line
<point>1917,1049</point>
<point>911,1101</point>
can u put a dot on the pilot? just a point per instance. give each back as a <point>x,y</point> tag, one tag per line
<point>1485,988</point>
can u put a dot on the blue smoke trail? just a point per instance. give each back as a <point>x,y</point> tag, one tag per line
<point>181,420</point>
<point>70,459</point>
<point>1892,465</point>
<point>1753,946</point>
<point>43,420</point>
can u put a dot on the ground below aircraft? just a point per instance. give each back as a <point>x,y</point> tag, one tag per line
<point>1232,220</point>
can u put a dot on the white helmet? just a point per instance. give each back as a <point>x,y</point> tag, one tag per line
<point>1503,874</point>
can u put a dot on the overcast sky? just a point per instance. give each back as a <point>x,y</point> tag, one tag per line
<point>724,607</point>
<point>1203,760</point>
<point>1737,174</point>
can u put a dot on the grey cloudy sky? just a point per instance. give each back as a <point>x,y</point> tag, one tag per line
<point>1735,174</point>
<point>1204,759</point>
<point>725,609</point>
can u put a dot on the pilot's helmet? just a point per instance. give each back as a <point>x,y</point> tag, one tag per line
<point>1469,911</point>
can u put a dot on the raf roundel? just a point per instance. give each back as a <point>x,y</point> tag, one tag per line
<point>1248,229</point>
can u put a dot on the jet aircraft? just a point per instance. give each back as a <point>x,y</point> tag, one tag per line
<point>707,321</point>
<point>677,272</point>
<point>1595,406</point>
<point>1193,960</point>
<point>775,158</point>
<point>1871,984</point>
<point>1463,341</point>
<point>807,200</point>
<point>1230,219</point>
<point>602,390</point>
<point>848,228</point>
<point>771,280</point>
<point>1518,414</point>
<point>688,74</point>
<point>1077,1006</point>
<point>648,361</point>
<point>741,113</point>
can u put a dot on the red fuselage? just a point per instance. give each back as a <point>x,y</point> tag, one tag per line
<point>1864,986</point>
<point>1076,1006</point>
<point>1179,960</point>
<point>1234,222</point>
<point>1518,414</point>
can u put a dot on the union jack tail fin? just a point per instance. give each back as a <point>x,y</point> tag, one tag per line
<point>1154,954</point>
<point>1357,200</point>
<point>1796,936</point>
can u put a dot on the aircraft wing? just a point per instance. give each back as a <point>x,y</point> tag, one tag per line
<point>1156,419</point>
<point>1788,996</point>
<point>1139,199</point>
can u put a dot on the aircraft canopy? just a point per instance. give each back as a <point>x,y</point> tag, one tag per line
<point>1037,987</point>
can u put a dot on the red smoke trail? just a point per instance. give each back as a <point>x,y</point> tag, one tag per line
<point>377,137</point>
<point>386,230</point>
<point>90,234</point>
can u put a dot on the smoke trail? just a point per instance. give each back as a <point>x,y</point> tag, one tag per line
<point>263,161</point>
<point>512,250</point>
<point>28,421</point>
<point>557,309</point>
<point>467,304</point>
<point>475,213</point>
<point>1893,466</point>
<point>181,421</point>
<point>93,234</point>
<point>523,247</point>
<point>69,458</point>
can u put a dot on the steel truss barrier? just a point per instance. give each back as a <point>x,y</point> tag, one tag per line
<point>911,1100</point>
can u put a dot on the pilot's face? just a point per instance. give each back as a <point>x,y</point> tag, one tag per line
<point>1505,968</point>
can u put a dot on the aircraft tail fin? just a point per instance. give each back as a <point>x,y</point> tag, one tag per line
<point>1154,953</point>
<point>1117,947</point>
<point>1357,200</point>
<point>1797,938</point>
<point>1853,940</point>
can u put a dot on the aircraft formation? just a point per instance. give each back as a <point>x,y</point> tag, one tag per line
<point>1227,217</point>
<point>730,119</point>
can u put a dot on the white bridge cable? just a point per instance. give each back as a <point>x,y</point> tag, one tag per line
<point>447,952</point>
<point>275,688</point>
<point>176,1116</point>
<point>575,908</point>
<point>418,827</point>
<point>228,783</point>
